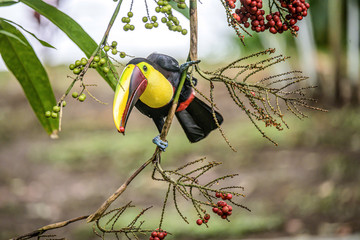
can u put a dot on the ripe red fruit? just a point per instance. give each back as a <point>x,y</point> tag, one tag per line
<point>229,213</point>
<point>199,222</point>
<point>156,238</point>
<point>220,213</point>
<point>151,238</point>
<point>217,194</point>
<point>229,195</point>
<point>230,208</point>
<point>154,234</point>
<point>161,235</point>
<point>207,216</point>
<point>223,216</point>
<point>225,209</point>
<point>215,210</point>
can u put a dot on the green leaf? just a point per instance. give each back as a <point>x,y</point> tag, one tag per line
<point>9,34</point>
<point>73,30</point>
<point>184,11</point>
<point>5,3</point>
<point>45,44</point>
<point>22,61</point>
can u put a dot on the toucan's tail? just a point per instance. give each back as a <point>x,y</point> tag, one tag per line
<point>197,120</point>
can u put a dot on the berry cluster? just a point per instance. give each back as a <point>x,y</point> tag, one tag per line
<point>251,14</point>
<point>158,234</point>
<point>150,23</point>
<point>127,20</point>
<point>80,97</point>
<point>222,208</point>
<point>55,111</point>
<point>205,219</point>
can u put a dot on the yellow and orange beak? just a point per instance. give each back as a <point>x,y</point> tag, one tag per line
<point>131,85</point>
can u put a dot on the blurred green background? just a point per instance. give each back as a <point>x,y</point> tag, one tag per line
<point>308,186</point>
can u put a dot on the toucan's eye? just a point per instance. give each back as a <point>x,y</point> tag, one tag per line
<point>145,68</point>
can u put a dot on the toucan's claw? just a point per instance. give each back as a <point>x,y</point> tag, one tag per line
<point>184,66</point>
<point>160,143</point>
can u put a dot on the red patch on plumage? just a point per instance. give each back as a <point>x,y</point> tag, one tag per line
<point>182,106</point>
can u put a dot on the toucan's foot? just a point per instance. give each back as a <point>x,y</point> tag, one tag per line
<point>184,66</point>
<point>160,143</point>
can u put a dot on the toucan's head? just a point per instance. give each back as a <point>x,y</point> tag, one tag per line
<point>142,80</point>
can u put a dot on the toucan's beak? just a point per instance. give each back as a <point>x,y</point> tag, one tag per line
<point>131,85</point>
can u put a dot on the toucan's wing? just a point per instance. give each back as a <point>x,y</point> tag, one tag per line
<point>164,61</point>
<point>197,120</point>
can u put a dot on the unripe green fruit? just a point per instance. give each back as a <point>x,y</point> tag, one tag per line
<point>82,97</point>
<point>126,27</point>
<point>132,27</point>
<point>106,48</point>
<point>130,14</point>
<point>71,66</point>
<point>153,18</point>
<point>122,54</point>
<point>94,65</point>
<point>96,58</point>
<point>74,94</point>
<point>157,9</point>
<point>144,19</point>
<point>106,69</point>
<point>56,109</point>
<point>163,20</point>
<point>114,43</point>
<point>178,28</point>
<point>77,63</point>
<point>76,71</point>
<point>160,3</point>
<point>54,115</point>
<point>83,61</point>
<point>184,32</point>
<point>102,61</point>
<point>47,114</point>
<point>63,104</point>
<point>182,5</point>
<point>114,51</point>
<point>123,19</point>
<point>155,24</point>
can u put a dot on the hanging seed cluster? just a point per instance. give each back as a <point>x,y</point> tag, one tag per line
<point>163,7</point>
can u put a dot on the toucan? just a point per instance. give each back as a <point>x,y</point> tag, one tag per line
<point>150,84</point>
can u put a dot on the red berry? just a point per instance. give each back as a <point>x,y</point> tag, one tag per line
<point>273,30</point>
<point>151,238</point>
<point>223,216</point>
<point>229,213</point>
<point>225,209</point>
<point>207,216</point>
<point>156,238</point>
<point>217,194</point>
<point>215,210</point>
<point>230,208</point>
<point>154,234</point>
<point>206,221</point>
<point>199,222</point>
<point>220,213</point>
<point>161,235</point>
<point>229,195</point>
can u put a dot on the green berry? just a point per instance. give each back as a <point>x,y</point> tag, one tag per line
<point>182,5</point>
<point>74,94</point>
<point>94,65</point>
<point>127,27</point>
<point>56,109</point>
<point>127,20</point>
<point>84,61</point>
<point>144,19</point>
<point>102,61</point>
<point>155,24</point>
<point>163,20</point>
<point>114,51</point>
<point>132,27</point>
<point>106,48</point>
<point>122,54</point>
<point>106,69</point>
<point>160,3</point>
<point>76,71</point>
<point>47,114</point>
<point>123,19</point>
<point>184,32</point>
<point>54,115</point>
<point>96,58</point>
<point>165,3</point>
<point>173,28</point>
<point>130,14</point>
<point>153,18</point>
<point>82,97</point>
<point>71,66</point>
<point>157,9</point>
<point>114,43</point>
<point>63,104</point>
<point>77,63</point>
<point>178,28</point>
